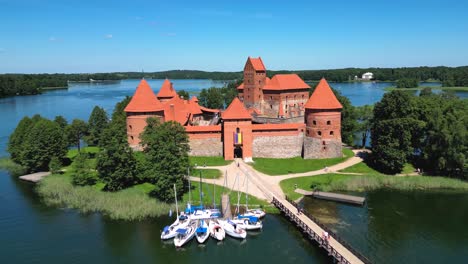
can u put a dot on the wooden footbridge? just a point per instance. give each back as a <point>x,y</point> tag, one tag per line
<point>336,247</point>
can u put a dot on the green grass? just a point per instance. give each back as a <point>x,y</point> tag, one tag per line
<point>461,88</point>
<point>297,164</point>
<point>208,161</point>
<point>361,167</point>
<point>73,152</point>
<point>14,169</point>
<point>343,182</point>
<point>206,173</point>
<point>408,169</point>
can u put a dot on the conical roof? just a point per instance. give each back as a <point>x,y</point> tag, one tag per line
<point>323,97</point>
<point>236,110</point>
<point>144,99</point>
<point>167,90</point>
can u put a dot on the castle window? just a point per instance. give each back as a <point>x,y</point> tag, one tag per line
<point>319,133</point>
<point>314,122</point>
<point>324,148</point>
<point>302,96</point>
<point>323,142</point>
<point>130,126</point>
<point>331,133</point>
<point>328,122</point>
<point>259,81</point>
<point>271,97</point>
<point>271,106</point>
<point>237,130</point>
<point>131,137</point>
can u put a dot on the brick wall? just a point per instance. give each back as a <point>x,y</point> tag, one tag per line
<point>277,146</point>
<point>315,148</point>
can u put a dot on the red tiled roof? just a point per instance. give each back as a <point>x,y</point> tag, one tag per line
<point>285,82</point>
<point>194,99</point>
<point>144,99</point>
<point>241,86</point>
<point>176,110</point>
<point>257,64</point>
<point>323,97</point>
<point>236,110</point>
<point>167,90</point>
<point>204,109</point>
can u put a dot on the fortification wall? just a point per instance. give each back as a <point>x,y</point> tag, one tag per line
<point>315,148</point>
<point>205,140</point>
<point>271,120</point>
<point>278,140</point>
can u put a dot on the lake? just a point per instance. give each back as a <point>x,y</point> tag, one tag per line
<point>31,232</point>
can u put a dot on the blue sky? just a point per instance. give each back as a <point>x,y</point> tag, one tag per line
<point>106,36</point>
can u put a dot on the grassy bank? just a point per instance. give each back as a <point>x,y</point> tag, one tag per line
<point>208,161</point>
<point>14,169</point>
<point>460,89</point>
<point>344,182</point>
<point>297,164</point>
<point>206,173</point>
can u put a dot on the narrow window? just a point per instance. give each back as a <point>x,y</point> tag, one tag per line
<point>271,106</point>
<point>237,130</point>
<point>271,97</point>
<point>314,122</point>
<point>319,133</point>
<point>259,81</point>
<point>323,142</point>
<point>131,137</point>
<point>328,122</point>
<point>130,126</point>
<point>324,148</point>
<point>331,133</point>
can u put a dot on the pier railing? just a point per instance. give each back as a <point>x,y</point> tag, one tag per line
<point>317,237</point>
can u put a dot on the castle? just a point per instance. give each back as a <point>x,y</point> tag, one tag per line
<point>271,118</point>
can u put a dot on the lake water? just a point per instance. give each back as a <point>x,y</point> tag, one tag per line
<point>31,232</point>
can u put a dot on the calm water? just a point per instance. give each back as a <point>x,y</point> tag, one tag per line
<point>389,227</point>
<point>402,227</point>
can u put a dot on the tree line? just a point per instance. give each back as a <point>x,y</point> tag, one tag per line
<point>40,144</point>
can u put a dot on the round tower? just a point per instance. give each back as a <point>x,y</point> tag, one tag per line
<point>323,124</point>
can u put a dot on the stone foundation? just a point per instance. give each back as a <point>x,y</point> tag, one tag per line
<point>315,148</point>
<point>206,147</point>
<point>269,146</point>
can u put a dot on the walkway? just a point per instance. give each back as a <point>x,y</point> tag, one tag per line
<point>34,177</point>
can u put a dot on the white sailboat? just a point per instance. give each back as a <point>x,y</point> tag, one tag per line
<point>232,229</point>
<point>257,212</point>
<point>202,233</point>
<point>181,221</point>
<point>184,235</point>
<point>246,222</point>
<point>216,230</point>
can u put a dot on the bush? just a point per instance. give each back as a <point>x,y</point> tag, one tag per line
<point>82,173</point>
<point>55,165</point>
<point>407,83</point>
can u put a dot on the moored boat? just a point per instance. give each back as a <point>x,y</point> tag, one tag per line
<point>216,230</point>
<point>248,222</point>
<point>202,232</point>
<point>184,235</point>
<point>232,229</point>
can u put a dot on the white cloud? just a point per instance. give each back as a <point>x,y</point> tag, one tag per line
<point>108,36</point>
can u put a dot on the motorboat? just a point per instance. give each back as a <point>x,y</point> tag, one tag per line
<point>216,230</point>
<point>202,232</point>
<point>185,234</point>
<point>232,229</point>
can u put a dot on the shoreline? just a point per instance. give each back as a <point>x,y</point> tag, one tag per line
<point>456,89</point>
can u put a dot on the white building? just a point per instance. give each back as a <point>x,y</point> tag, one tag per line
<point>368,76</point>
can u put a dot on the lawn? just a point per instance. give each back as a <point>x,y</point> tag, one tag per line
<point>361,167</point>
<point>73,152</point>
<point>206,173</point>
<point>344,182</point>
<point>297,164</point>
<point>208,161</point>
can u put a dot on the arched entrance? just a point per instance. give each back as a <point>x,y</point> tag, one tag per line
<point>238,152</point>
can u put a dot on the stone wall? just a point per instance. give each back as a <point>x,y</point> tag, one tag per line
<point>270,120</point>
<point>278,146</point>
<point>315,148</point>
<point>208,146</point>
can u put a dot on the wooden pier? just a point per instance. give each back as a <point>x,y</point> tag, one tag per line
<point>34,177</point>
<point>226,206</point>
<point>338,197</point>
<point>337,248</point>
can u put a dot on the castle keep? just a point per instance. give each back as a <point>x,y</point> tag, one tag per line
<point>273,118</point>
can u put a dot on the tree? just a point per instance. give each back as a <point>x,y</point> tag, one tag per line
<point>55,165</point>
<point>82,173</point>
<point>407,83</point>
<point>76,131</point>
<point>364,116</point>
<point>44,141</point>
<point>211,98</point>
<point>349,123</point>
<point>116,164</point>
<point>17,139</point>
<point>183,94</point>
<point>97,122</point>
<point>166,147</point>
<point>61,121</point>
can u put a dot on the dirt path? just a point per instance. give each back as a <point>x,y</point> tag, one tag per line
<point>261,185</point>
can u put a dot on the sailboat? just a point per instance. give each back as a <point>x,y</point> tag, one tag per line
<point>247,222</point>
<point>185,234</point>
<point>181,221</point>
<point>257,212</point>
<point>202,232</point>
<point>232,229</point>
<point>216,230</point>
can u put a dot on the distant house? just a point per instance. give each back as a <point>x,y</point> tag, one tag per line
<point>368,76</point>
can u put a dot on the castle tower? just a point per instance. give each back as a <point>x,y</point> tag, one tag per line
<point>167,91</point>
<point>144,104</point>
<point>254,80</point>
<point>323,124</point>
<point>237,132</point>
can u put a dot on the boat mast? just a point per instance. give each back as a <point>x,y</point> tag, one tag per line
<point>214,193</point>
<point>238,193</point>
<point>189,187</point>
<point>201,195</point>
<point>247,193</point>
<point>177,207</point>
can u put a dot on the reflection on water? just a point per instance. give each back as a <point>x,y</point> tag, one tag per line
<point>402,227</point>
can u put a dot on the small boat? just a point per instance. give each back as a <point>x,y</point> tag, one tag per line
<point>232,229</point>
<point>202,232</point>
<point>216,230</point>
<point>170,231</point>
<point>248,222</point>
<point>184,235</point>
<point>257,212</point>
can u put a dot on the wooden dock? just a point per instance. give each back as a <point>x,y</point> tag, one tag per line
<point>338,197</point>
<point>226,206</point>
<point>34,177</point>
<point>337,248</point>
